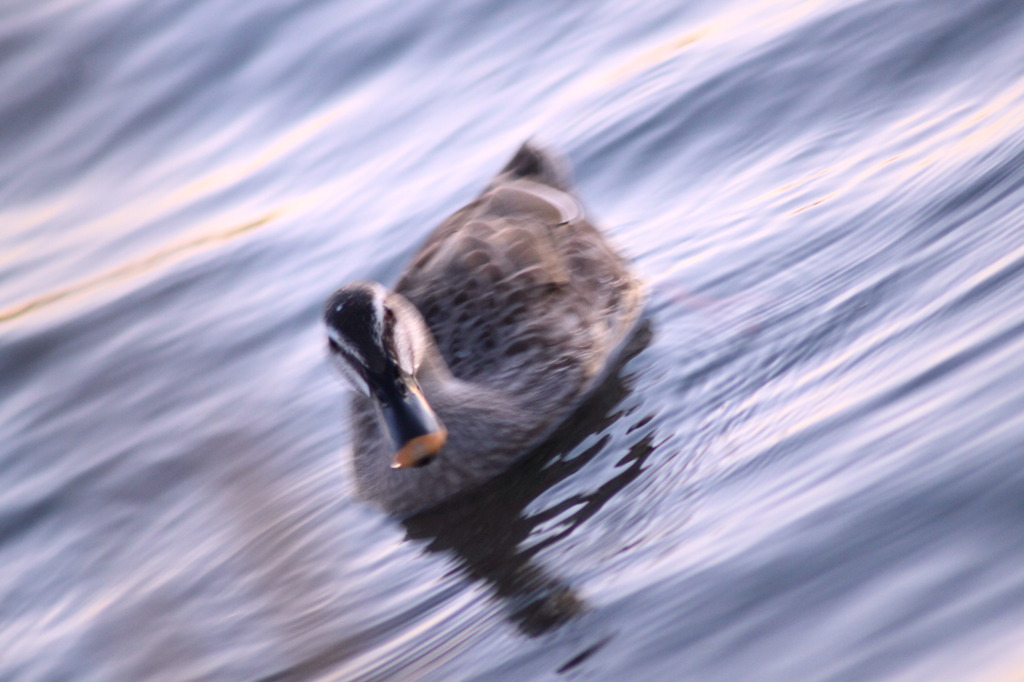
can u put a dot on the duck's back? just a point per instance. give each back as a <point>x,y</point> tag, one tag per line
<point>520,291</point>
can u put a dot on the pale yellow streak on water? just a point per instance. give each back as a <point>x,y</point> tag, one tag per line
<point>28,218</point>
<point>131,269</point>
<point>146,208</point>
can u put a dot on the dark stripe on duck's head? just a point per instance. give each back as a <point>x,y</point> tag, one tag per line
<point>360,325</point>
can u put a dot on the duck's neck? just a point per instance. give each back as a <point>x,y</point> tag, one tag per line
<point>450,395</point>
<point>478,417</point>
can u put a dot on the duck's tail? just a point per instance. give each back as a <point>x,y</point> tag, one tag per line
<point>540,165</point>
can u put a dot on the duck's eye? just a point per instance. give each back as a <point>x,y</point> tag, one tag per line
<point>389,316</point>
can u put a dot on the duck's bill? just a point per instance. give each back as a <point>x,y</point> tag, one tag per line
<point>417,433</point>
<point>420,450</point>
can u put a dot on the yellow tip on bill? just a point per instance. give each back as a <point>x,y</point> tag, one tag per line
<point>419,450</point>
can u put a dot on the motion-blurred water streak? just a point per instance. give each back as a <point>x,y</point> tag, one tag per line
<point>809,467</point>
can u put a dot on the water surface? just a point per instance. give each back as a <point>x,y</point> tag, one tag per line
<point>809,467</point>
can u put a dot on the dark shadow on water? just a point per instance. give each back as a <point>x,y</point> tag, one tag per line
<point>484,530</point>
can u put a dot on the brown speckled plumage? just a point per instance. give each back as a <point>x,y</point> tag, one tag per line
<point>526,303</point>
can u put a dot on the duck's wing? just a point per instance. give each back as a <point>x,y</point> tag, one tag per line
<point>519,283</point>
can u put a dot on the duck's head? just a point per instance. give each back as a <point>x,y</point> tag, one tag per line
<point>376,340</point>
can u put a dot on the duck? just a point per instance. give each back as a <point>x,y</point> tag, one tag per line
<point>502,323</point>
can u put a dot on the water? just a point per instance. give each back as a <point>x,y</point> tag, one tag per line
<point>809,468</point>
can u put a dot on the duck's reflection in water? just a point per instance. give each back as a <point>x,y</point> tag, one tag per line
<point>485,530</point>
